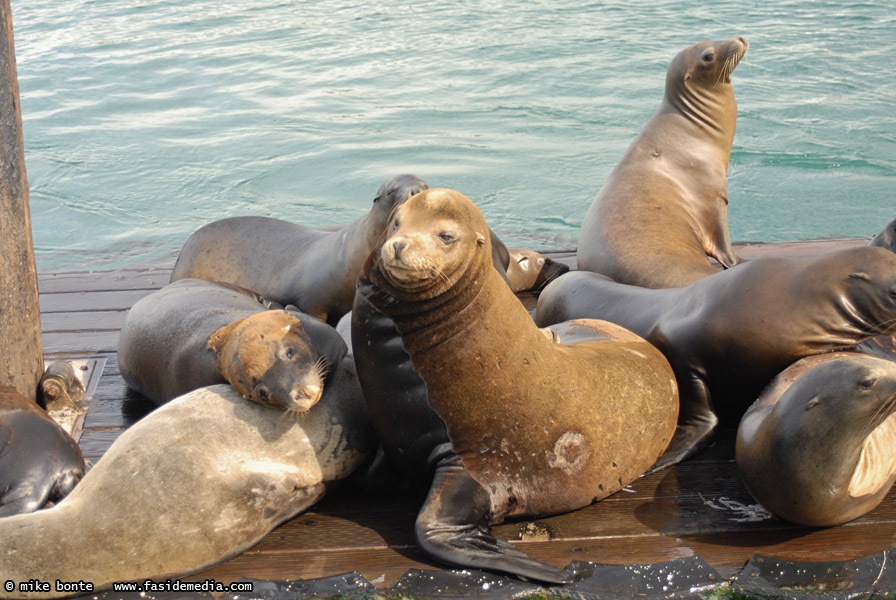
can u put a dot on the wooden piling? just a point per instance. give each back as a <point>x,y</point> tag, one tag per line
<point>21,349</point>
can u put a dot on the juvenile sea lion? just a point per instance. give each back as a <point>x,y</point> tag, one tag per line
<point>195,482</point>
<point>817,447</point>
<point>193,333</point>
<point>39,461</point>
<point>664,208</point>
<point>528,270</point>
<point>728,335</point>
<point>312,269</point>
<point>536,426</point>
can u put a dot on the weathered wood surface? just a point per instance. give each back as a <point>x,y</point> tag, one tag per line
<point>697,508</point>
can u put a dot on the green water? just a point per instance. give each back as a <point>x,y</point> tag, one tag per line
<point>145,119</point>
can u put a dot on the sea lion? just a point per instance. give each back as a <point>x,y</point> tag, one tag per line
<point>193,333</point>
<point>728,335</point>
<point>39,461</point>
<point>886,238</point>
<point>817,447</point>
<point>537,426</point>
<point>664,208</point>
<point>312,269</point>
<point>528,270</point>
<point>195,482</point>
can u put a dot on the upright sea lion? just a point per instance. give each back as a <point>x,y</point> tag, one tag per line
<point>818,446</point>
<point>312,269</point>
<point>39,461</point>
<point>728,335</point>
<point>195,482</point>
<point>664,208</point>
<point>536,426</point>
<point>193,333</point>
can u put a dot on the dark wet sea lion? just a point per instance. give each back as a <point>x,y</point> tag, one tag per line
<point>193,333</point>
<point>312,269</point>
<point>728,335</point>
<point>535,428</point>
<point>39,461</point>
<point>664,208</point>
<point>818,446</point>
<point>193,483</point>
<point>528,270</point>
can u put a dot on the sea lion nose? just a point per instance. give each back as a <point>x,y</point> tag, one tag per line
<point>397,247</point>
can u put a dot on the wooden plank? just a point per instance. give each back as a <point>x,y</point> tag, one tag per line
<point>90,301</point>
<point>102,280</point>
<point>77,322</point>
<point>81,343</point>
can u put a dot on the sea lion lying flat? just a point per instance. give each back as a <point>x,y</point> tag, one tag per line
<point>728,335</point>
<point>312,269</point>
<point>193,333</point>
<point>39,461</point>
<point>819,445</point>
<point>664,208</point>
<point>195,482</point>
<point>537,426</point>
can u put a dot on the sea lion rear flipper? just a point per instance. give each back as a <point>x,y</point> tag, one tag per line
<point>696,424</point>
<point>450,528</point>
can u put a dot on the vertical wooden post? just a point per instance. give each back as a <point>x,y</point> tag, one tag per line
<point>21,348</point>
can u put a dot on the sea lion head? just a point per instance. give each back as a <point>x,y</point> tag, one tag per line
<point>868,290</point>
<point>837,428</point>
<point>396,190</point>
<point>706,64</point>
<point>269,360</point>
<point>431,241</point>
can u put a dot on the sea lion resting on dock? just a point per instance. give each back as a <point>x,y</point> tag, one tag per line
<point>316,269</point>
<point>664,208</point>
<point>193,333</point>
<point>539,422</point>
<point>195,482</point>
<point>726,336</point>
<point>817,447</point>
<point>39,461</point>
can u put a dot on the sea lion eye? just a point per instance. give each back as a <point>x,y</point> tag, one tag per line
<point>868,383</point>
<point>290,353</point>
<point>708,56</point>
<point>394,224</point>
<point>447,237</point>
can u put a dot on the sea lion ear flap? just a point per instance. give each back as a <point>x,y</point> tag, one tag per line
<point>219,339</point>
<point>480,239</point>
<point>859,276</point>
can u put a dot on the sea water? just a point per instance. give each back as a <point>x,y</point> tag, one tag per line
<point>145,119</point>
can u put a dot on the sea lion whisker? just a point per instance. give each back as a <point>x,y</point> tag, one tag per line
<point>322,367</point>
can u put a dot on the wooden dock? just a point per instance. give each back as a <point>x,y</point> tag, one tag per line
<point>699,508</point>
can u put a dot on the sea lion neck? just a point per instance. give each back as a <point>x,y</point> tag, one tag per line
<point>429,321</point>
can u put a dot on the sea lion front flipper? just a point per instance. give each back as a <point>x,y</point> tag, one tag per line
<point>450,528</point>
<point>696,424</point>
<point>719,247</point>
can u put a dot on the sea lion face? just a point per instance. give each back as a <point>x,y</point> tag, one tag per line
<point>707,63</point>
<point>430,242</point>
<point>268,359</point>
<point>870,289</point>
<point>396,190</point>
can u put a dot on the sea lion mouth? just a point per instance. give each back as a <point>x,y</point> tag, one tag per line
<point>737,50</point>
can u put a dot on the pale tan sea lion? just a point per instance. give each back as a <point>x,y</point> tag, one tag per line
<point>728,335</point>
<point>193,333</point>
<point>195,482</point>
<point>819,445</point>
<point>664,208</point>
<point>536,426</point>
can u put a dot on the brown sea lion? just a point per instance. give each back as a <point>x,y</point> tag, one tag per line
<point>193,333</point>
<point>818,446</point>
<point>312,269</point>
<point>537,426</point>
<point>39,461</point>
<point>193,483</point>
<point>664,208</point>
<point>728,335</point>
<point>528,270</point>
